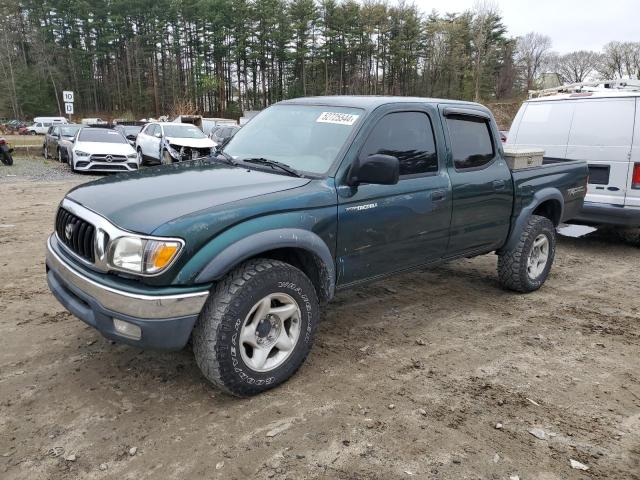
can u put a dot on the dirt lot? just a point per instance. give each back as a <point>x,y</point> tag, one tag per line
<point>409,378</point>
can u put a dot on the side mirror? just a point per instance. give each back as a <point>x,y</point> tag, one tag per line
<point>376,169</point>
<point>157,135</point>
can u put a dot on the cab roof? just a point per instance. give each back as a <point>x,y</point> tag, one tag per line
<point>601,93</point>
<point>371,102</point>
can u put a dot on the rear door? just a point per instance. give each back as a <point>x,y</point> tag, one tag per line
<point>601,133</point>
<point>632,198</point>
<point>481,182</point>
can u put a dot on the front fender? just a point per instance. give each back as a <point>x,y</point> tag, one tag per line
<point>260,242</point>
<point>521,220</point>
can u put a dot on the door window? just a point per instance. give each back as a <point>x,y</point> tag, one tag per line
<point>471,142</point>
<point>151,130</point>
<point>407,136</point>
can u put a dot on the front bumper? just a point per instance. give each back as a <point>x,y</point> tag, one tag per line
<point>604,214</point>
<point>165,321</point>
<point>85,164</point>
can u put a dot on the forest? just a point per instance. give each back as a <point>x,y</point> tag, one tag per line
<point>133,58</point>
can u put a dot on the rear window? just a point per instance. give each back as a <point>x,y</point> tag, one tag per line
<point>100,135</point>
<point>471,143</point>
<point>605,123</point>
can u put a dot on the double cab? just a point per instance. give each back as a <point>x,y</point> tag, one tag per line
<point>238,251</point>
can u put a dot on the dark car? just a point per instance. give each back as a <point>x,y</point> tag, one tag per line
<point>129,131</point>
<point>223,133</point>
<point>57,141</point>
<point>239,251</point>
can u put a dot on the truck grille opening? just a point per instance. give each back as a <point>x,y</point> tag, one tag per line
<point>76,234</point>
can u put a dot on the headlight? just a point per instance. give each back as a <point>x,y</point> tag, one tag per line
<point>132,156</point>
<point>80,153</point>
<point>173,151</point>
<point>141,255</point>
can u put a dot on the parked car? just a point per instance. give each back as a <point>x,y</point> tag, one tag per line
<point>222,134</point>
<point>38,128</point>
<point>54,141</point>
<point>239,251</point>
<point>130,132</point>
<point>209,124</point>
<point>601,127</point>
<point>172,142</point>
<point>102,150</point>
<point>93,121</point>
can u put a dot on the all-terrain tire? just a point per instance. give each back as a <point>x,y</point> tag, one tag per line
<point>215,339</point>
<point>513,264</point>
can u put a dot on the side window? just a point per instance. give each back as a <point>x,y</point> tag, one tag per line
<point>151,130</point>
<point>407,136</point>
<point>471,142</point>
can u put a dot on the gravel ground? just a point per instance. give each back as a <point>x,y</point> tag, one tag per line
<point>435,374</point>
<point>34,168</point>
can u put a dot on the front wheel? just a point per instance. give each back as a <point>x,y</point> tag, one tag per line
<point>525,267</point>
<point>257,327</point>
<point>6,158</point>
<point>166,158</point>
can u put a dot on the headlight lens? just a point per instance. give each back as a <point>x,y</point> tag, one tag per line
<point>141,255</point>
<point>132,156</point>
<point>80,153</point>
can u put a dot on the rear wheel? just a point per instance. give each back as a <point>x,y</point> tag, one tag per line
<point>256,328</point>
<point>526,266</point>
<point>6,158</point>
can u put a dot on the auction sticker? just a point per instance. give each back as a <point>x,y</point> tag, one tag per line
<point>337,118</point>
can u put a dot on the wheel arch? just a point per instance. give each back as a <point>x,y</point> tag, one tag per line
<point>301,248</point>
<point>547,202</point>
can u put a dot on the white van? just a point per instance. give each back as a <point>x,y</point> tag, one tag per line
<point>50,120</point>
<point>601,126</point>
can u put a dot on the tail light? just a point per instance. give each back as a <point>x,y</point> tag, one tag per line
<point>2,141</point>
<point>635,179</point>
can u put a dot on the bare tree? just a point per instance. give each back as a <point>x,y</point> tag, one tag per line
<point>531,52</point>
<point>577,66</point>
<point>485,12</point>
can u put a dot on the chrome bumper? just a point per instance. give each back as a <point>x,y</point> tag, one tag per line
<point>151,307</point>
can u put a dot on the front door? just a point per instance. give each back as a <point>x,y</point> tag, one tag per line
<point>387,228</point>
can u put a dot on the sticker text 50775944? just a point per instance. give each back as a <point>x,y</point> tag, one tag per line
<point>338,118</point>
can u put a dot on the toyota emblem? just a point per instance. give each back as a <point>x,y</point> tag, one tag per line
<point>109,158</point>
<point>68,230</point>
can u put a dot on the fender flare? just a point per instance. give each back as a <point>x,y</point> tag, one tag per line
<point>539,197</point>
<point>260,242</point>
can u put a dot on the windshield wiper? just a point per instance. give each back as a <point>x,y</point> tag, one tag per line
<point>273,164</point>
<point>228,159</point>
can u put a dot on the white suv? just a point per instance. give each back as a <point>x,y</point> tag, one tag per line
<point>601,126</point>
<point>172,142</point>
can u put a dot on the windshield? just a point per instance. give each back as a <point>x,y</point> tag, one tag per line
<point>100,135</point>
<point>131,130</point>
<point>305,137</point>
<point>183,131</point>
<point>69,131</point>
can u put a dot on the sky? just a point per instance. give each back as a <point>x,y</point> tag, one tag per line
<point>572,25</point>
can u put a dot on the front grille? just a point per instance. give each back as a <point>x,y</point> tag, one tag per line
<point>103,158</point>
<point>108,167</point>
<point>75,233</point>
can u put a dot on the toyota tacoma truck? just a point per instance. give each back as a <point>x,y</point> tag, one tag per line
<point>237,252</point>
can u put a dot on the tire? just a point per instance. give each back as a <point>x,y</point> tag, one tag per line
<point>59,155</point>
<point>6,158</point>
<point>220,352</point>
<point>140,156</point>
<point>45,152</point>
<point>166,158</point>
<point>518,268</point>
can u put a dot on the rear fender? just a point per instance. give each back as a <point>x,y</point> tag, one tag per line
<point>520,222</point>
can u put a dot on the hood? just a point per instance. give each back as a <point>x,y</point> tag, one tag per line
<point>191,142</point>
<point>143,201</point>
<point>104,148</point>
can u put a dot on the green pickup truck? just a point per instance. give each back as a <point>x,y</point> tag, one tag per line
<point>238,251</point>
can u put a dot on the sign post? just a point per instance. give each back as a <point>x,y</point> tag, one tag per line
<point>67,97</point>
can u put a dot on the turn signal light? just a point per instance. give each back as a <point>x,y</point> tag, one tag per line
<point>635,180</point>
<point>161,255</point>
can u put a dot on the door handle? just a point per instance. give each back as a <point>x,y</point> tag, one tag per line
<point>438,195</point>
<point>498,184</point>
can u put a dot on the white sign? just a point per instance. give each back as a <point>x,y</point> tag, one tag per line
<point>68,108</point>
<point>67,96</point>
<point>338,118</point>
